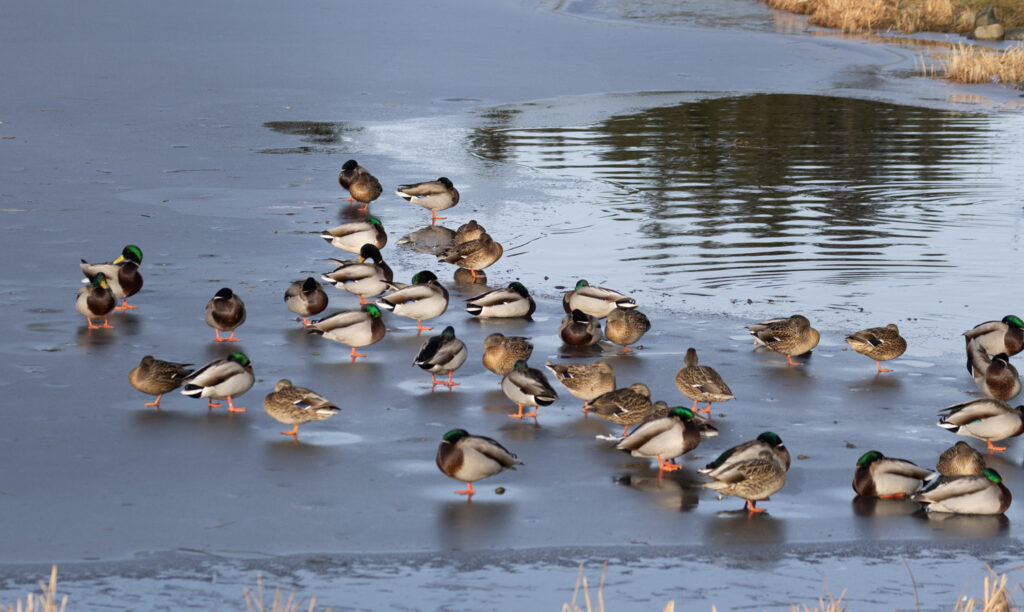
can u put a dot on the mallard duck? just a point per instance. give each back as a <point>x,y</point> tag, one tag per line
<point>506,303</point>
<point>426,298</point>
<point>790,336</point>
<point>768,442</point>
<point>225,312</point>
<point>961,459</point>
<point>584,380</point>
<point>998,337</point>
<point>471,458</point>
<point>474,255</point>
<point>356,328</point>
<point>305,298</point>
<point>887,477</point>
<point>96,300</point>
<point>352,236</point>
<point>527,386</point>
<point>878,343</point>
<point>221,379</point>
<point>627,407</point>
<point>295,406</point>
<point>701,383</point>
<point>984,419</point>
<point>432,195</point>
<point>995,376</point>
<point>156,377</point>
<point>660,410</point>
<point>469,231</point>
<point>442,354</point>
<point>595,301</point>
<point>625,327</point>
<point>664,439</point>
<point>752,479</point>
<point>983,493</point>
<point>362,186</point>
<point>122,274</point>
<point>580,329</point>
<point>359,277</point>
<point>501,352</point>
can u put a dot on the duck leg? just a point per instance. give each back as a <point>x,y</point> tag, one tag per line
<point>125,305</point>
<point>420,328</point>
<point>212,404</point>
<point>293,432</point>
<point>156,403</point>
<point>434,218</point>
<point>468,490</point>
<point>791,362</point>
<point>449,382</point>
<point>232,407</point>
<point>993,448</point>
<point>752,507</point>
<point>355,354</point>
<point>880,368</point>
<point>665,466</point>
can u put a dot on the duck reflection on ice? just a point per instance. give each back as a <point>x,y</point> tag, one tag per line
<point>671,491</point>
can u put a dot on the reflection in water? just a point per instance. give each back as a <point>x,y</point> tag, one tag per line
<point>876,507</point>
<point>736,526</point>
<point>430,239</point>
<point>466,524</point>
<point>672,491</point>
<point>968,525</point>
<point>764,190</point>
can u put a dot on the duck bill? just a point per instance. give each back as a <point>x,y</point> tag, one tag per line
<point>119,259</point>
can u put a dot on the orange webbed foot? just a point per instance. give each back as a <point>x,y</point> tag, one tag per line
<point>468,491</point>
<point>791,362</point>
<point>665,466</point>
<point>293,432</point>
<point>155,403</point>
<point>993,447</point>
<point>880,368</point>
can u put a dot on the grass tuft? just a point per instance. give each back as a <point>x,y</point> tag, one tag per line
<point>905,16</point>
<point>582,580</point>
<point>46,601</point>
<point>970,64</point>
<point>254,601</point>
<point>832,605</point>
<point>995,598</point>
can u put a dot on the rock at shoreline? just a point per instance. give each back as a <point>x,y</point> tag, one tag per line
<point>985,17</point>
<point>994,31</point>
<point>1014,34</point>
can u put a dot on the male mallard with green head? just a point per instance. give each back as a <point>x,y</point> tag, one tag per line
<point>360,277</point>
<point>305,298</point>
<point>983,493</point>
<point>664,439</point>
<point>506,303</point>
<point>984,419</point>
<point>296,406</point>
<point>995,376</point>
<point>595,301</point>
<point>355,328</point>
<point>767,442</point>
<point>352,236</point>
<point>584,380</point>
<point>156,377</point>
<point>221,379</point>
<point>580,329</point>
<point>471,458</point>
<point>887,477</point>
<point>790,336</point>
<point>433,195</point>
<point>878,343</point>
<point>442,354</point>
<point>701,383</point>
<point>996,337</point>
<point>122,274</point>
<point>501,352</point>
<point>95,300</point>
<point>426,298</point>
<point>753,470</point>
<point>225,312</point>
<point>527,386</point>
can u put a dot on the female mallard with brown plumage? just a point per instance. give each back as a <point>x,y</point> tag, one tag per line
<point>627,407</point>
<point>701,383</point>
<point>296,406</point>
<point>580,329</point>
<point>305,298</point>
<point>470,458</point>
<point>95,300</point>
<point>225,312</point>
<point>961,459</point>
<point>469,231</point>
<point>664,439</point>
<point>887,477</point>
<point>352,236</point>
<point>501,352</point>
<point>362,186</point>
<point>506,303</point>
<point>474,255</point>
<point>984,419</point>
<point>122,274</point>
<point>878,343</point>
<point>790,336</point>
<point>624,327</point>
<point>584,380</point>
<point>156,377</point>
<point>433,195</point>
<point>753,470</point>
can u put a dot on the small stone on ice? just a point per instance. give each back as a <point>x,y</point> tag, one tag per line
<point>499,491</point>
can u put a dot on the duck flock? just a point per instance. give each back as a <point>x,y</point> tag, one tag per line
<point>753,470</point>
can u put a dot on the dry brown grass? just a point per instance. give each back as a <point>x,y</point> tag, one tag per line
<point>597,606</point>
<point>46,601</point>
<point>995,599</point>
<point>970,64</point>
<point>832,605</point>
<point>254,601</point>
<point>901,15</point>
